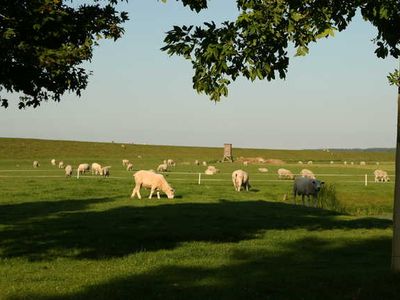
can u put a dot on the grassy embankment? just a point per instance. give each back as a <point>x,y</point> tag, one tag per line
<point>66,238</point>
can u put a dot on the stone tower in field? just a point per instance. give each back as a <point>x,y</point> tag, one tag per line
<point>228,153</point>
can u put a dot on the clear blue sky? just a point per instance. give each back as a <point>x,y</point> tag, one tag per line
<point>337,96</point>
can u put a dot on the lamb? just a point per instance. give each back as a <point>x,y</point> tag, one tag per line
<point>36,164</point>
<point>285,174</point>
<point>129,167</point>
<point>53,162</point>
<point>68,171</point>
<point>381,176</point>
<point>211,170</point>
<point>96,169</point>
<point>105,171</point>
<point>307,173</point>
<point>162,168</point>
<point>155,182</point>
<point>125,162</point>
<point>61,165</point>
<point>82,168</point>
<point>240,179</point>
<point>171,163</point>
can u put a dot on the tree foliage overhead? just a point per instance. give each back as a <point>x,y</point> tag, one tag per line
<point>44,42</point>
<point>255,45</point>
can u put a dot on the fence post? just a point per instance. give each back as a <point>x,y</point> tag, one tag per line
<point>199,178</point>
<point>366,179</point>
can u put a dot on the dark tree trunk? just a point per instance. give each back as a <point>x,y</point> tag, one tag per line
<point>396,207</point>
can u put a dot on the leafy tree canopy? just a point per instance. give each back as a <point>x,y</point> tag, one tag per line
<point>44,42</point>
<point>255,45</point>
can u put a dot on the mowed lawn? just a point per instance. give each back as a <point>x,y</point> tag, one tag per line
<point>63,238</point>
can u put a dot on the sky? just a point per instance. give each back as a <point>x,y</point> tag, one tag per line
<point>336,97</point>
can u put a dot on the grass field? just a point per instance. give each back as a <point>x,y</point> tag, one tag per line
<point>63,238</point>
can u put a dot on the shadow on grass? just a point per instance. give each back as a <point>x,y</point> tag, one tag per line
<point>309,268</point>
<point>65,229</point>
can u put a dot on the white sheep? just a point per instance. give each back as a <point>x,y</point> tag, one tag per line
<point>245,163</point>
<point>97,169</point>
<point>105,171</point>
<point>381,176</point>
<point>196,162</point>
<point>211,170</point>
<point>171,163</point>
<point>362,163</point>
<point>36,164</point>
<point>162,168</point>
<point>125,162</point>
<point>204,163</point>
<point>263,170</point>
<point>285,174</point>
<point>53,162</point>
<point>129,167</point>
<point>155,182</point>
<point>307,173</point>
<point>82,168</point>
<point>61,165</point>
<point>310,162</point>
<point>240,179</point>
<point>68,171</point>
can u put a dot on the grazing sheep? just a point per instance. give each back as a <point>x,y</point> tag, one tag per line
<point>263,170</point>
<point>82,168</point>
<point>68,171</point>
<point>155,182</point>
<point>310,162</point>
<point>125,162</point>
<point>129,167</point>
<point>211,170</point>
<point>162,168</point>
<point>285,174</point>
<point>171,163</point>
<point>245,163</point>
<point>196,162</point>
<point>307,173</point>
<point>240,179</point>
<point>53,162</point>
<point>306,187</point>
<point>381,176</point>
<point>362,163</point>
<point>61,165</point>
<point>96,169</point>
<point>36,164</point>
<point>105,171</point>
<point>300,162</point>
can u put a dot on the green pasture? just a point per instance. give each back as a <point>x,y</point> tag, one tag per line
<point>64,238</point>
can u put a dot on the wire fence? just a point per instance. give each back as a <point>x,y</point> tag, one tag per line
<point>199,178</point>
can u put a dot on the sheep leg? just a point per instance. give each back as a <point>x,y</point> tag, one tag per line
<point>151,193</point>
<point>158,194</point>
